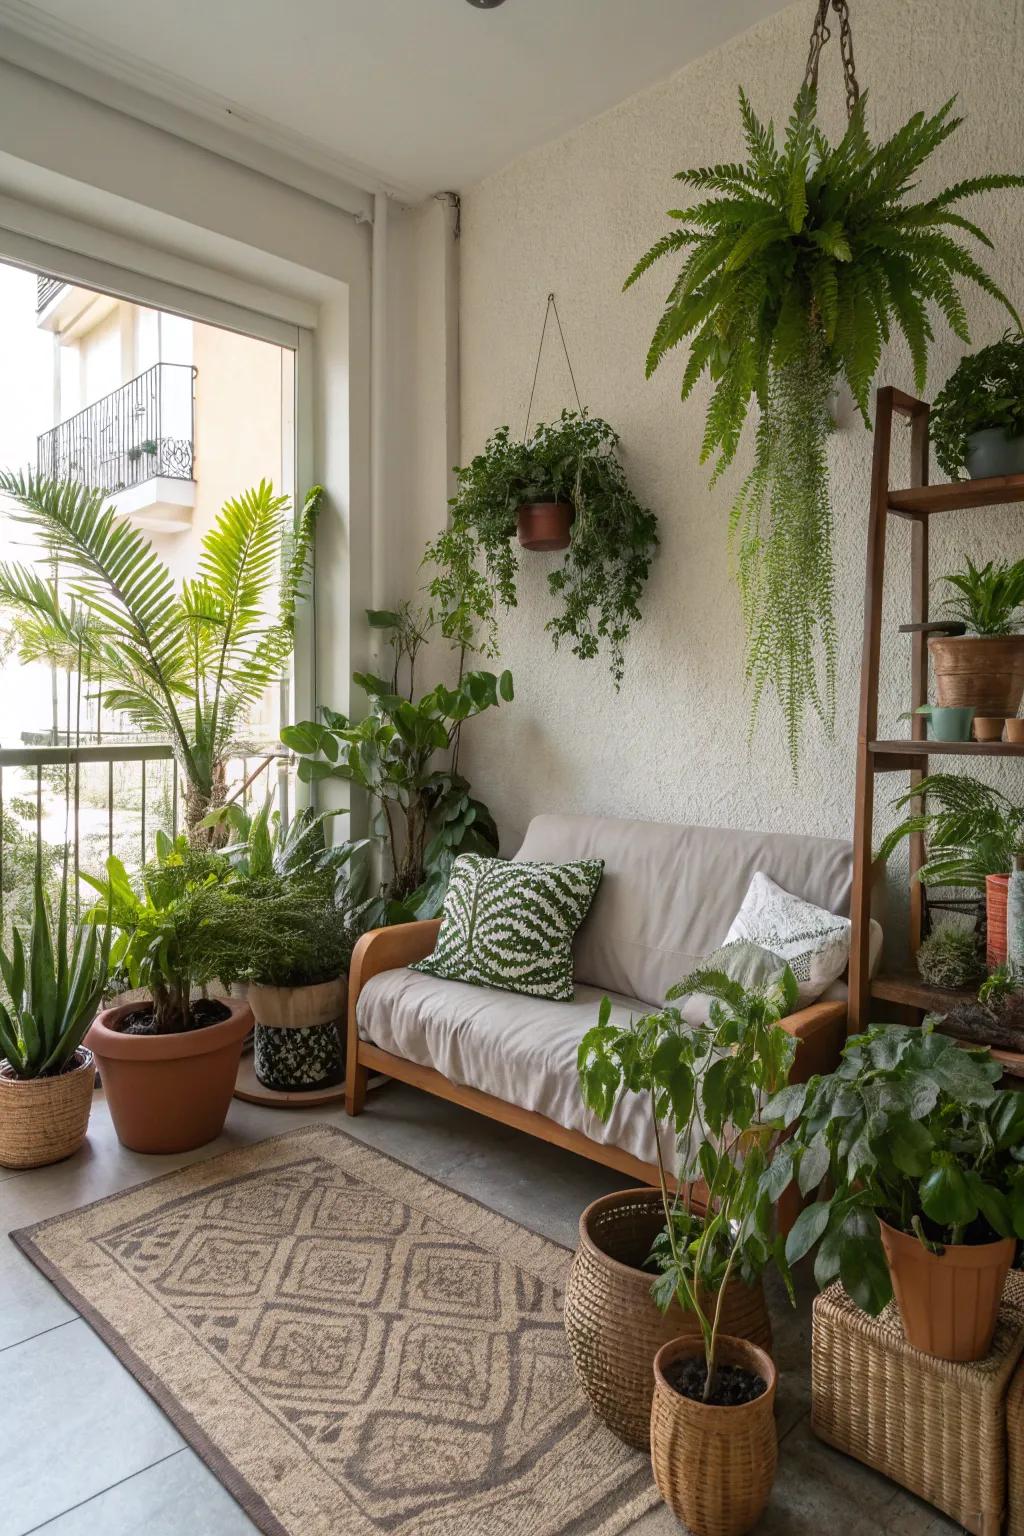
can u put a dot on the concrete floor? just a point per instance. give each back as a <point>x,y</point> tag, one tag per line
<point>87,1453</point>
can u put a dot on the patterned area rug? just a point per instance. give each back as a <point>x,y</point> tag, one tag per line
<point>352,1348</point>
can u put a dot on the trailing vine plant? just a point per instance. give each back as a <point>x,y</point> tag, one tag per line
<point>799,264</point>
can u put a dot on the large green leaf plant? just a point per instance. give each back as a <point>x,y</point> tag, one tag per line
<point>972,829</point>
<point>798,265</point>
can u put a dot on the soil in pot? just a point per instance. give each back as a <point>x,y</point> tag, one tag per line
<point>203,1012</point>
<point>733,1385</point>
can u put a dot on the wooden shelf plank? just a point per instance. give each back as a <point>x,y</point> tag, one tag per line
<point>905,748</point>
<point>957,495</point>
<point>909,991</point>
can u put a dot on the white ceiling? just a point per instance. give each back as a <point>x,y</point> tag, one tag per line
<point>421,95</point>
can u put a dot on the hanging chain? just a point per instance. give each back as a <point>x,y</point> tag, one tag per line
<point>820,34</point>
<point>551,305</point>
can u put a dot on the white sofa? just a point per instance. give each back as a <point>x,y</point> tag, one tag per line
<point>666,900</point>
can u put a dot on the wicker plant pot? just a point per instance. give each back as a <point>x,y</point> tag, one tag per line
<point>948,1305</point>
<point>986,671</point>
<point>612,1324</point>
<point>714,1467</point>
<point>44,1119</point>
<point>298,1043</point>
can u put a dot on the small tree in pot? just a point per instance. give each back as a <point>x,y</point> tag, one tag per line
<point>708,1081</point>
<point>923,1162</point>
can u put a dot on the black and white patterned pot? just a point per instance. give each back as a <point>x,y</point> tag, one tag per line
<point>294,1060</point>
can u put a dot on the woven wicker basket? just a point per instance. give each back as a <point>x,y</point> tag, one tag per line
<point>44,1119</point>
<point>714,1467</point>
<point>612,1324</point>
<point>937,1427</point>
<point>1015,1454</point>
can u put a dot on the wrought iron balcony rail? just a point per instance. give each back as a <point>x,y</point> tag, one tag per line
<point>144,429</point>
<point>46,289</point>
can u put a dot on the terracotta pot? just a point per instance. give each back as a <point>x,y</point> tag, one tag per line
<point>996,890</point>
<point>984,670</point>
<point>44,1119</point>
<point>612,1324</point>
<point>988,727</point>
<point>544,525</point>
<point>1015,730</point>
<point>949,1304</point>
<point>169,1093</point>
<point>714,1467</point>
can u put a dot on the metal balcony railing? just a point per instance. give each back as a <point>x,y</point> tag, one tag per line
<point>144,429</point>
<point>46,289</point>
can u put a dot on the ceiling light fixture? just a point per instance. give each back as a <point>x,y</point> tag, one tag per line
<point>485,5</point>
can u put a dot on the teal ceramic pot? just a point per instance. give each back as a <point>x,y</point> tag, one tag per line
<point>991,452</point>
<point>948,723</point>
<point>297,1060</point>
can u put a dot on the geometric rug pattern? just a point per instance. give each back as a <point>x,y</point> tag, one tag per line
<point>353,1348</point>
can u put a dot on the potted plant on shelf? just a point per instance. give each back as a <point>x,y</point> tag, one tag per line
<point>920,1155</point>
<point>53,984</point>
<point>713,1440</point>
<point>977,419</point>
<point>797,266</point>
<point>567,473</point>
<point>985,667</point>
<point>168,1064</point>
<point>949,958</point>
<point>973,832</point>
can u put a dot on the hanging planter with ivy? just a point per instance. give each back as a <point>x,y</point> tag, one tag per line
<point>562,486</point>
<point>798,266</point>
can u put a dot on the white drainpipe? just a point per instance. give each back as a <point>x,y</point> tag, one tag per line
<point>379,589</point>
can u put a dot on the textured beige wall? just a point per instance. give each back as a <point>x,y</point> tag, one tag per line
<point>573,217</point>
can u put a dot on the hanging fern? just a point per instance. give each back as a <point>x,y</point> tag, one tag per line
<point>797,269</point>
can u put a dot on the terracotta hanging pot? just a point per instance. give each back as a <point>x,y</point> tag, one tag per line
<point>996,891</point>
<point>544,525</point>
<point>612,1324</point>
<point>949,1304</point>
<point>169,1093</point>
<point>986,671</point>
<point>714,1466</point>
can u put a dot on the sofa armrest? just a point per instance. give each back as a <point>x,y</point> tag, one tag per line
<point>385,949</point>
<point>820,1032</point>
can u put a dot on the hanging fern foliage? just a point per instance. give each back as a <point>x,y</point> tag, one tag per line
<point>799,264</point>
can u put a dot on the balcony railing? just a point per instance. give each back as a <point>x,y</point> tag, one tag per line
<point>46,289</point>
<point>141,431</point>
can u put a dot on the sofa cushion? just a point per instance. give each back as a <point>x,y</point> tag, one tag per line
<point>521,1049</point>
<point>669,893</point>
<point>814,942</point>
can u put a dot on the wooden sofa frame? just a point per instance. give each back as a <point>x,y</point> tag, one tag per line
<point>820,1031</point>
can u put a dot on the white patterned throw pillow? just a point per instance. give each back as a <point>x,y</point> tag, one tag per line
<point>511,923</point>
<point>814,942</point>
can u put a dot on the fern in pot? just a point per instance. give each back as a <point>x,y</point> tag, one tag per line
<point>797,267</point>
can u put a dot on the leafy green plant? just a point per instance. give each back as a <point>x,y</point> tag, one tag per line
<point>708,1082</point>
<point>972,830</point>
<point>985,390</point>
<point>910,1129</point>
<point>299,851</point>
<point>185,663</point>
<point>601,579</point>
<point>797,268</point>
<point>950,957</point>
<point>988,600</point>
<point>54,983</point>
<point>998,987</point>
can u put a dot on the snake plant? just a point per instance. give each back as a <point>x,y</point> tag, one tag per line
<point>53,985</point>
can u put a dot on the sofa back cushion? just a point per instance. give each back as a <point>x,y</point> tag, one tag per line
<point>670,893</point>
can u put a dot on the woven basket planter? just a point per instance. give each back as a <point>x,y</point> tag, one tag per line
<point>714,1467</point>
<point>614,1327</point>
<point>298,1042</point>
<point>44,1119</point>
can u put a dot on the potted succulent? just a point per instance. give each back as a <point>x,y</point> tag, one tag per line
<point>796,265</point>
<point>977,419</point>
<point>713,1440</point>
<point>974,832</point>
<point>168,1064</point>
<point>984,667</point>
<point>920,1155</point>
<point>567,474</point>
<point>53,984</point>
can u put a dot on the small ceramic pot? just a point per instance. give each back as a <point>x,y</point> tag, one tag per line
<point>991,452</point>
<point>1015,730</point>
<point>949,1303</point>
<point>544,525</point>
<point>988,727</point>
<point>948,722</point>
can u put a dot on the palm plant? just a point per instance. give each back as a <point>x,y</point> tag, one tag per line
<point>798,267</point>
<point>54,983</point>
<point>187,663</point>
<point>988,600</point>
<point>972,830</point>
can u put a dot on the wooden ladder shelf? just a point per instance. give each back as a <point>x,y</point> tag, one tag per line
<point>918,503</point>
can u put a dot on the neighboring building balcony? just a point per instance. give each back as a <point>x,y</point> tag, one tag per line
<point>136,445</point>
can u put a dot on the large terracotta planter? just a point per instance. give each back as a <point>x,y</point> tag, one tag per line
<point>949,1305</point>
<point>44,1119</point>
<point>612,1324</point>
<point>298,1045</point>
<point>714,1467</point>
<point>996,891</point>
<point>986,671</point>
<point>544,525</point>
<point>169,1093</point>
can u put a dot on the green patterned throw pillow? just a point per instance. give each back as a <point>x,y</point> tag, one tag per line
<point>511,924</point>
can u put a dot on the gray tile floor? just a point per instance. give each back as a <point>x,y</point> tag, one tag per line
<point>86,1453</point>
